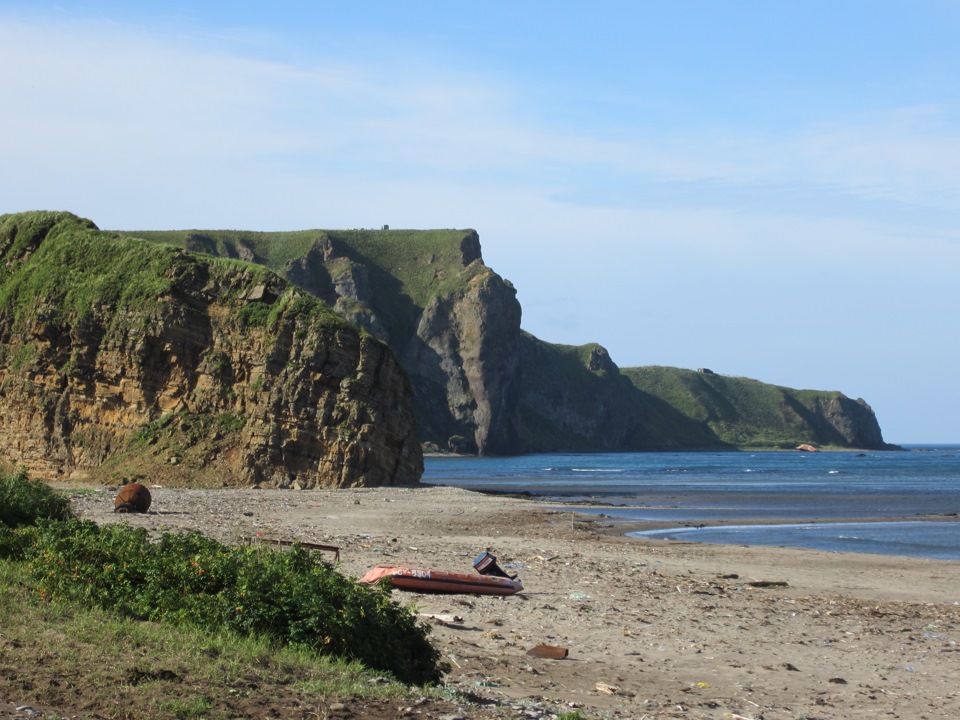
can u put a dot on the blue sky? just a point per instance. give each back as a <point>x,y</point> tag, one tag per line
<point>771,190</point>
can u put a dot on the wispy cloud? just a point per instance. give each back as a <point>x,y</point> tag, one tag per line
<point>118,99</point>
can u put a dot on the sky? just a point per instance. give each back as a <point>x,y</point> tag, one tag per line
<point>766,189</point>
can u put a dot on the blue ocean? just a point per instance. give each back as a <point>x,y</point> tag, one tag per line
<point>892,503</point>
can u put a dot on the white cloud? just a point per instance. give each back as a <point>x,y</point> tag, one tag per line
<point>120,101</point>
<point>906,154</point>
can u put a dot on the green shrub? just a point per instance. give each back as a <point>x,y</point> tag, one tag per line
<point>13,543</point>
<point>253,314</point>
<point>24,501</point>
<point>292,597</point>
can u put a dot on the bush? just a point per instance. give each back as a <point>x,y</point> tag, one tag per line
<point>13,543</point>
<point>24,501</point>
<point>293,597</point>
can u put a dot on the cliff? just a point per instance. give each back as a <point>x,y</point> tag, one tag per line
<point>122,358</point>
<point>483,386</point>
<point>575,398</point>
<point>749,413</point>
<point>454,323</point>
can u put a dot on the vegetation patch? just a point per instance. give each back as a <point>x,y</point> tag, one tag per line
<point>293,598</point>
<point>24,501</point>
<point>106,621</point>
<point>412,266</point>
<point>69,659</point>
<point>75,268</point>
<point>290,598</point>
<point>61,272</point>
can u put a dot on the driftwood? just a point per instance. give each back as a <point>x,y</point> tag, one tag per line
<point>289,543</point>
<point>448,619</point>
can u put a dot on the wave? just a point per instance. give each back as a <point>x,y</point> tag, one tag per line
<point>583,470</point>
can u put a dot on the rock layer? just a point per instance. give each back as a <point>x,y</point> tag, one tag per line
<point>126,358</point>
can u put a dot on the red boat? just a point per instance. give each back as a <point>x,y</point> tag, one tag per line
<point>441,581</point>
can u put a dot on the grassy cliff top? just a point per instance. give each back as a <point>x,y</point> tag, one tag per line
<point>426,263</point>
<point>742,412</point>
<point>57,267</point>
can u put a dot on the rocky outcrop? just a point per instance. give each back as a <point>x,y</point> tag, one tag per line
<point>574,398</point>
<point>464,362</point>
<point>343,284</point>
<point>854,421</point>
<point>125,358</point>
<point>460,346</point>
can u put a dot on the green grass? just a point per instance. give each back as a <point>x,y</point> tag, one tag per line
<point>60,271</point>
<point>289,598</point>
<point>742,412</point>
<point>426,262</point>
<point>411,267</point>
<point>77,268</point>
<point>74,657</point>
<point>292,598</point>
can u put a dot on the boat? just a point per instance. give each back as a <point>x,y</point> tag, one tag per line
<point>440,581</point>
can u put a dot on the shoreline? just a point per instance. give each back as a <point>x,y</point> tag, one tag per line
<point>651,625</point>
<point>605,514</point>
<point>612,524</point>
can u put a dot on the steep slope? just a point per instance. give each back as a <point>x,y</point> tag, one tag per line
<point>454,323</point>
<point>125,358</point>
<point>750,413</point>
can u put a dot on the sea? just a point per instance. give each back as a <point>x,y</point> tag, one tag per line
<point>891,503</point>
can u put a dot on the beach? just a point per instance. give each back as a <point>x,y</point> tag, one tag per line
<point>653,628</point>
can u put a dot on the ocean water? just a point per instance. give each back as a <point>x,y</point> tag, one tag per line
<point>869,502</point>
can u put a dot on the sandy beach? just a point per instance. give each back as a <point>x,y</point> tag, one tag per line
<point>653,628</point>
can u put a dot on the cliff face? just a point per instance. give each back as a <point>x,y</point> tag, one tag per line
<point>464,362</point>
<point>575,398</point>
<point>483,386</point>
<point>853,420</point>
<point>453,321</point>
<point>125,358</point>
<point>459,345</point>
<point>572,398</point>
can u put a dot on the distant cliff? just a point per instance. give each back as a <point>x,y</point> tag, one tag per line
<point>122,358</point>
<point>748,413</point>
<point>483,386</point>
<point>575,398</point>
